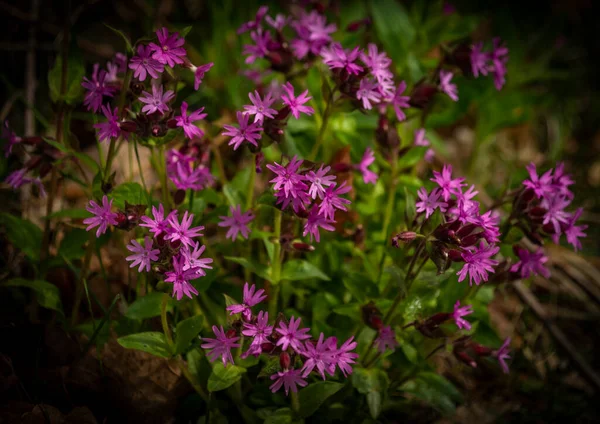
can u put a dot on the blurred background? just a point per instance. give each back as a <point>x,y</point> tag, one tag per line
<point>549,111</point>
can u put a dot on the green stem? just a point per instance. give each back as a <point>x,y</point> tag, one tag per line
<point>137,156</point>
<point>320,135</point>
<point>295,402</point>
<point>161,164</point>
<point>389,210</point>
<point>189,377</point>
<point>164,322</point>
<point>250,189</point>
<point>276,266</point>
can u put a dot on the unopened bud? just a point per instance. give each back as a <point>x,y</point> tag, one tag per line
<point>403,237</point>
<point>284,360</point>
<point>128,126</point>
<point>179,197</point>
<point>230,333</point>
<point>303,247</point>
<point>172,123</point>
<point>455,255</point>
<point>470,240</point>
<point>422,95</point>
<point>267,347</point>
<point>283,113</point>
<point>463,357</point>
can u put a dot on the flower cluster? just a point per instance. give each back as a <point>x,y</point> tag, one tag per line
<point>493,61</point>
<point>284,339</point>
<point>188,167</point>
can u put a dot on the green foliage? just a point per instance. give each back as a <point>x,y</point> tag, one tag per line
<point>132,193</point>
<point>46,294</point>
<point>373,383</point>
<point>224,377</point>
<point>435,390</point>
<point>23,234</point>
<point>148,306</point>
<point>150,342</point>
<point>313,396</point>
<point>68,84</point>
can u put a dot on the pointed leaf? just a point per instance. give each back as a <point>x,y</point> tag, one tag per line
<point>224,377</point>
<point>186,331</point>
<point>313,396</point>
<point>151,342</point>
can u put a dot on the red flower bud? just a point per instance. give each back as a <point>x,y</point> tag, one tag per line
<point>284,360</point>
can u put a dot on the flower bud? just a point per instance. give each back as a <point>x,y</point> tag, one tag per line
<point>128,126</point>
<point>230,333</point>
<point>179,197</point>
<point>470,240</point>
<point>267,347</point>
<point>463,357</point>
<point>283,113</point>
<point>439,256</point>
<point>175,244</point>
<point>403,237</point>
<point>466,230</point>
<point>284,360</point>
<point>303,247</point>
<point>422,95</point>
<point>122,221</point>
<point>258,160</point>
<point>461,57</point>
<point>158,130</point>
<point>356,25</point>
<point>372,316</point>
<point>455,255</point>
<point>341,167</point>
<point>172,123</point>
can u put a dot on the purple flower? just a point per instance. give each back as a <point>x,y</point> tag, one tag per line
<point>332,200</point>
<point>318,355</point>
<point>400,101</point>
<point>291,336</point>
<point>337,58</point>
<point>143,255</point>
<point>369,177</point>
<point>279,22</point>
<point>110,129</point>
<point>540,185</point>
<point>314,222</point>
<point>448,185</point>
<point>299,202</point>
<point>555,213</point>
<point>378,63</point>
<point>260,108</point>
<point>318,181</point>
<point>344,358</point>
<point>180,277</point>
<point>237,222</point>
<point>574,232</point>
<point>199,73</point>
<point>288,178</point>
<point>459,313</point>
<point>386,339</point>
<point>159,224</point>
<point>446,86</point>
<point>260,329</point>
<point>185,177</point>
<point>157,101</point>
<point>10,137</point>
<point>193,260</point>
<point>313,33</point>
<point>103,216</point>
<point>562,181</point>
<point>420,139</point>
<point>288,379</point>
<point>502,354</point>
<point>183,232</point>
<point>249,133</point>
<point>368,92</point>
<point>96,90</point>
<point>260,48</point>
<point>296,103</point>
<point>251,297</point>
<point>531,263</point>
<point>169,52</point>
<point>499,58</point>
<point>221,346</point>
<point>430,202</point>
<point>187,122</point>
<point>479,60</point>
<point>143,64</point>
<point>489,222</point>
<point>252,25</point>
<point>429,155</point>
<point>478,263</point>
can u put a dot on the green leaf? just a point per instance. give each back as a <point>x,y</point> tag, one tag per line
<point>298,269</point>
<point>47,295</point>
<point>271,367</point>
<point>186,331</point>
<point>185,31</point>
<point>24,234</point>
<point>71,246</point>
<point>361,287</point>
<point>148,306</point>
<point>393,27</point>
<point>151,342</point>
<point>224,377</point>
<point>434,390</point>
<point>374,383</point>
<point>259,269</point>
<point>123,36</point>
<point>313,396</point>
<point>281,416</point>
<point>75,71</point>
<point>132,193</point>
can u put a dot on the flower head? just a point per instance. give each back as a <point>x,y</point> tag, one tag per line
<point>430,202</point>
<point>479,60</point>
<point>159,224</point>
<point>531,263</point>
<point>157,101</point>
<point>237,222</point>
<point>180,277</point>
<point>378,63</point>
<point>448,184</point>
<point>182,231</point>
<point>10,137</point>
<point>332,200</point>
<point>336,57</point>
<point>318,181</point>
<point>502,355</point>
<point>478,263</point>
<point>459,313</point>
<point>252,25</point>
<point>97,89</point>
<point>291,336</point>
<point>288,178</point>
<point>221,346</point>
<point>319,356</point>
<point>446,86</point>
<point>187,121</point>
<point>103,216</point>
<point>368,92</point>
<point>574,232</point>
<point>400,102</point>
<point>251,297</point>
<point>420,139</point>
<point>143,255</point>
<point>143,64</point>
<point>296,104</point>
<point>262,40</point>
<point>540,185</point>
<point>288,379</point>
<point>343,358</point>
<point>555,211</point>
<point>199,72</point>
<point>315,221</point>
<point>193,260</point>
<point>246,132</point>
<point>369,177</point>
<point>169,51</point>
<point>259,330</point>
<point>386,339</point>
<point>110,129</point>
<point>260,108</point>
<point>499,58</point>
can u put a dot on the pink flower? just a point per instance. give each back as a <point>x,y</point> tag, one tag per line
<point>313,33</point>
<point>318,181</point>
<point>368,92</point>
<point>574,232</point>
<point>369,177</point>
<point>237,222</point>
<point>260,108</point>
<point>157,101</point>
<point>221,346</point>
<point>429,155</point>
<point>378,63</point>
<point>420,139</point>
<point>399,101</point>
<point>169,52</point>
<point>459,313</point>
<point>531,263</point>
<point>430,202</point>
<point>502,355</point>
<point>314,222</point>
<point>479,60</point>
<point>541,186</point>
<point>249,133</point>
<point>103,216</point>
<point>181,277</point>
<point>446,86</point>
<point>159,224</point>
<point>10,137</point>
<point>289,379</point>
<point>499,58</point>
<point>319,356</point>
<point>555,211</point>
<point>193,260</point>
<point>143,64</point>
<point>251,297</point>
<point>262,39</point>
<point>337,58</point>
<point>343,357</point>
<point>386,339</point>
<point>185,177</point>
<point>183,232</point>
<point>199,73</point>
<point>96,91</point>
<point>291,336</point>
<point>478,263</point>
<point>259,330</point>
<point>288,178</point>
<point>252,25</point>
<point>143,255</point>
<point>332,200</point>
<point>109,130</point>
<point>448,185</point>
<point>296,103</point>
<point>187,122</point>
